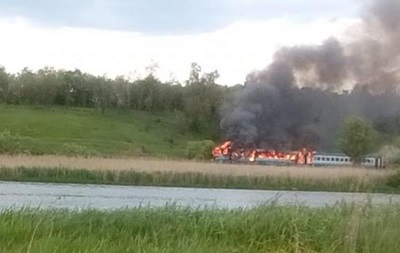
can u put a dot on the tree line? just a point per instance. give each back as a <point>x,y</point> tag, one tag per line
<point>198,98</point>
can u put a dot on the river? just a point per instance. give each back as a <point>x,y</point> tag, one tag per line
<point>75,196</point>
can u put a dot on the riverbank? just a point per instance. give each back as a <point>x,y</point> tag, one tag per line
<point>269,228</point>
<point>144,172</point>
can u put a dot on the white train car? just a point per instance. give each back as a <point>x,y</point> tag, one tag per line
<point>339,159</point>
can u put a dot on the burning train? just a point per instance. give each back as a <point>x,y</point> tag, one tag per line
<point>225,153</point>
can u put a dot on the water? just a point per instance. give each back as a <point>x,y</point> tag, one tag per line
<point>112,197</point>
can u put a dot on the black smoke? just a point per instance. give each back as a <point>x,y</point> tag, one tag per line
<point>306,93</point>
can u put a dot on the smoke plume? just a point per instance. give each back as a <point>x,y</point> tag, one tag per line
<point>307,92</point>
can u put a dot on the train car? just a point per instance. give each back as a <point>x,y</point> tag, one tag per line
<point>257,161</point>
<point>339,159</point>
<point>303,157</point>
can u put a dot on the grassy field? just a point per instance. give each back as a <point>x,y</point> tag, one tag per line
<point>87,132</point>
<point>150,172</point>
<point>341,228</point>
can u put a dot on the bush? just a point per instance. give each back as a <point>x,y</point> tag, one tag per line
<point>10,144</point>
<point>144,150</point>
<point>394,181</point>
<point>390,154</point>
<point>73,149</point>
<point>200,150</point>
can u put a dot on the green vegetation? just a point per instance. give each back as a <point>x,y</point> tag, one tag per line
<point>10,144</point>
<point>269,228</point>
<point>84,132</point>
<point>200,150</point>
<point>70,112</point>
<point>388,183</point>
<point>197,101</point>
<point>357,139</point>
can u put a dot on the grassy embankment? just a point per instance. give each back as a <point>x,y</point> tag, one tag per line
<point>341,228</point>
<point>150,172</point>
<point>63,131</point>
<point>74,131</point>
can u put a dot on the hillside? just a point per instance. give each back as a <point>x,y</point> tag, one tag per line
<point>44,130</point>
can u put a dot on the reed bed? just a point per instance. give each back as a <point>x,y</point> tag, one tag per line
<point>153,172</point>
<point>273,181</point>
<point>269,228</point>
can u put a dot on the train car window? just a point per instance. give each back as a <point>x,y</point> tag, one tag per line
<point>341,159</point>
<point>337,159</point>
<point>323,158</point>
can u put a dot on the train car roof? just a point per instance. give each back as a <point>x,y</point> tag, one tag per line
<point>329,154</point>
<point>341,154</point>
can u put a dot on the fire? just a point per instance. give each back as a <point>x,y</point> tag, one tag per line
<point>253,156</point>
<point>224,149</point>
<point>225,152</point>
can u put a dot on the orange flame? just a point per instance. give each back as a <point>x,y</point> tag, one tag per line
<point>301,157</point>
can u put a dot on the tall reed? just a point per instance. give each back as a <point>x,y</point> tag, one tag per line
<point>389,183</point>
<point>269,228</point>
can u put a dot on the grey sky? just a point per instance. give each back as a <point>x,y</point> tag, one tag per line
<point>170,16</point>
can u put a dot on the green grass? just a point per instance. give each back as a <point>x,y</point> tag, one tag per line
<point>342,228</point>
<point>87,132</point>
<point>389,184</point>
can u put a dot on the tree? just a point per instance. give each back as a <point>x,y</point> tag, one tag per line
<point>4,82</point>
<point>202,98</point>
<point>357,139</point>
<point>48,83</point>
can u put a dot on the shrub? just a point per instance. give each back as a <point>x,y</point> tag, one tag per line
<point>394,181</point>
<point>75,150</point>
<point>200,150</point>
<point>390,154</point>
<point>144,150</point>
<point>10,144</point>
